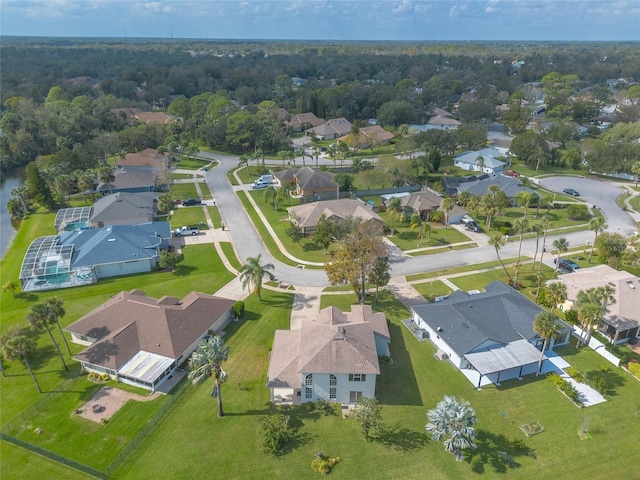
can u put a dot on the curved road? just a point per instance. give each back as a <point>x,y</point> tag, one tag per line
<point>248,243</point>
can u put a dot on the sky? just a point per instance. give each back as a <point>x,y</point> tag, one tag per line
<point>418,20</point>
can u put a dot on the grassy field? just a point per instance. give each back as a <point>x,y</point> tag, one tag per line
<point>230,253</point>
<point>193,163</point>
<point>431,290</point>
<point>183,191</point>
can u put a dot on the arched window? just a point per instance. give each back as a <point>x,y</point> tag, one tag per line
<point>333,381</point>
<point>308,384</point>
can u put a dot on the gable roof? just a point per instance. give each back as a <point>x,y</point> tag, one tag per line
<point>287,175</point>
<point>489,154</point>
<point>499,314</point>
<point>624,313</point>
<point>153,117</point>
<point>376,134</point>
<point>439,112</point>
<point>442,120</point>
<point>131,322</point>
<point>130,177</point>
<point>307,215</point>
<point>115,243</point>
<point>149,157</point>
<point>339,126</point>
<point>479,185</point>
<point>124,206</point>
<point>421,201</point>
<point>308,178</point>
<point>335,342</point>
<point>299,120</point>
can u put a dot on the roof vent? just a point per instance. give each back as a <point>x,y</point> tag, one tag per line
<point>111,240</point>
<point>440,329</point>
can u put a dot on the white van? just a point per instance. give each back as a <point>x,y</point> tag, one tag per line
<point>258,185</point>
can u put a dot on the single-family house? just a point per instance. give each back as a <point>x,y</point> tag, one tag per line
<point>313,182</point>
<point>122,208</point>
<point>141,340</point>
<point>130,179</point>
<point>479,185</point>
<point>484,161</point>
<point>149,157</point>
<point>424,203</point>
<point>333,357</point>
<point>301,121</point>
<point>444,123</point>
<point>439,112</point>
<point>489,335</point>
<point>81,257</point>
<point>306,216</point>
<point>621,321</point>
<point>374,135</point>
<point>331,129</point>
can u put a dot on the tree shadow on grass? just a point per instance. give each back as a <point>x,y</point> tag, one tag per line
<point>184,270</point>
<point>402,439</point>
<point>496,452</point>
<point>607,379</point>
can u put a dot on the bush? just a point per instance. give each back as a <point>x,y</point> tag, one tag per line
<point>275,433</point>
<point>634,368</point>
<point>565,387</point>
<point>577,212</point>
<point>575,374</point>
<point>238,309</point>
<point>571,317</point>
<point>325,407</point>
<point>323,464</point>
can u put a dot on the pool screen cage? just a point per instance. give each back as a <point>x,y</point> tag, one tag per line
<point>45,258</point>
<point>67,216</point>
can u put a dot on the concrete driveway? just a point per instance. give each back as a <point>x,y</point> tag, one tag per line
<point>602,195</point>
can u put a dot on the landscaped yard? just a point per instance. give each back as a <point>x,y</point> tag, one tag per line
<point>407,239</point>
<point>183,191</point>
<point>431,290</point>
<point>193,163</point>
<point>191,216</point>
<point>557,217</point>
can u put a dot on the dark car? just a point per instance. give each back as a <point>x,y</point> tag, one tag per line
<point>571,191</point>
<point>190,202</point>
<point>473,226</point>
<point>567,265</point>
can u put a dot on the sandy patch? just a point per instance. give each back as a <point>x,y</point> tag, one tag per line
<point>107,401</point>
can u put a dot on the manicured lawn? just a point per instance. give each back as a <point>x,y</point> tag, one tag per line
<point>193,163</point>
<point>431,290</point>
<point>465,268</point>
<point>443,250</point>
<point>635,203</point>
<point>214,213</point>
<point>557,217</point>
<point>20,463</point>
<point>180,176</point>
<point>227,248</point>
<point>253,172</point>
<point>183,191</point>
<point>407,239</point>
<point>188,216</point>
<point>206,193</point>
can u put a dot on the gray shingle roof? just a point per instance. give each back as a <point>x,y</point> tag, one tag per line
<point>116,243</point>
<point>490,156</point>
<point>131,177</point>
<point>124,207</point>
<point>308,178</point>
<point>499,314</point>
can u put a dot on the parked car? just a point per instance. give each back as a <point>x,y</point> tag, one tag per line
<point>182,231</point>
<point>190,202</point>
<point>571,191</point>
<point>473,226</point>
<point>567,265</point>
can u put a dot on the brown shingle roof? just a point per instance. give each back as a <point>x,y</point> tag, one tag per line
<point>376,134</point>
<point>301,119</point>
<point>307,215</point>
<point>130,322</point>
<point>149,157</point>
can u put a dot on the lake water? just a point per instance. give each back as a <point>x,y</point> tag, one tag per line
<point>8,181</point>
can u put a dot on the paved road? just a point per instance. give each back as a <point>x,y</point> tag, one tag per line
<point>601,194</point>
<point>248,243</point>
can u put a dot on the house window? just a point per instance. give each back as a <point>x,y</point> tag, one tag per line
<point>357,377</point>
<point>308,380</point>
<point>333,380</point>
<point>354,396</point>
<point>308,392</point>
<point>332,393</point>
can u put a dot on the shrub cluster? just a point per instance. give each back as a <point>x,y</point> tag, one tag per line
<point>325,407</point>
<point>275,433</point>
<point>98,377</point>
<point>323,464</point>
<point>575,374</point>
<point>238,309</point>
<point>634,368</point>
<point>565,387</point>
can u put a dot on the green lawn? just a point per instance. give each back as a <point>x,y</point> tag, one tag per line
<point>464,268</point>
<point>183,191</point>
<point>189,216</point>
<point>230,253</point>
<point>180,176</point>
<point>214,213</point>
<point>557,217</point>
<point>407,239</point>
<point>206,193</point>
<point>431,290</point>
<point>635,203</point>
<point>443,250</point>
<point>193,163</point>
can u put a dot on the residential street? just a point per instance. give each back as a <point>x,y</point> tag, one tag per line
<point>248,243</point>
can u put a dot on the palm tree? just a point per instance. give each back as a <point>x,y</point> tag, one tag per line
<point>596,225</point>
<point>556,294</point>
<point>545,225</point>
<point>537,229</point>
<point>416,222</point>
<point>40,318</point>
<point>454,419</point>
<point>206,362</point>
<point>524,200</point>
<point>562,245</point>
<point>592,305</point>
<point>447,205</point>
<point>497,242</point>
<point>271,195</point>
<point>283,154</point>
<point>17,346</point>
<point>521,225</point>
<point>55,310</point>
<point>252,273</point>
<point>480,163</point>
<point>546,326</point>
